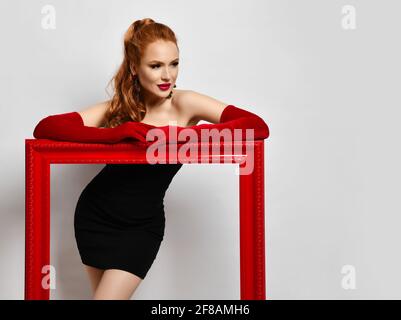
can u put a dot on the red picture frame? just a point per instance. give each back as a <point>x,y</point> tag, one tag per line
<point>41,153</point>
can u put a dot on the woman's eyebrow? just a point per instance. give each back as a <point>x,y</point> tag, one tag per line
<point>153,61</point>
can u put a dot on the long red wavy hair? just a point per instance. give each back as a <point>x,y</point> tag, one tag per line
<point>126,103</point>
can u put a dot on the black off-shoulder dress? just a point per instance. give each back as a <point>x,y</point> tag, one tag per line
<point>119,218</point>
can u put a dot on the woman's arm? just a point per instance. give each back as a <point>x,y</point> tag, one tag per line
<point>93,116</point>
<point>71,127</point>
<point>200,107</point>
<point>222,115</point>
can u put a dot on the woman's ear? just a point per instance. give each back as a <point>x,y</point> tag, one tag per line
<point>133,71</point>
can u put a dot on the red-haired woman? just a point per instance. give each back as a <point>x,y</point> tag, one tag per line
<point>119,218</point>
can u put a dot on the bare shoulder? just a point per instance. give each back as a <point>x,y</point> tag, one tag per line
<point>198,106</point>
<point>93,116</point>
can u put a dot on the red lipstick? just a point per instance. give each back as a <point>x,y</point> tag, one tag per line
<point>164,86</point>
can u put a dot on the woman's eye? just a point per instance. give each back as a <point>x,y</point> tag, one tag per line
<point>157,65</point>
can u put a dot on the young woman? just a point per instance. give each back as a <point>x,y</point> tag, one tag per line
<point>119,218</point>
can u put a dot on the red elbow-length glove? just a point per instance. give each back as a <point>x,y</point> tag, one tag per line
<point>232,118</point>
<point>70,127</point>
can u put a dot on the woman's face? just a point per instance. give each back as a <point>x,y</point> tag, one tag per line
<point>159,65</point>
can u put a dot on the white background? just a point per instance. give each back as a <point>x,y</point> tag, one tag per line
<point>329,95</point>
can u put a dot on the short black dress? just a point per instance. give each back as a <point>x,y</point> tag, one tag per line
<point>119,218</point>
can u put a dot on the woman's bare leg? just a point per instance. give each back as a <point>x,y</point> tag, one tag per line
<point>116,285</point>
<point>95,275</point>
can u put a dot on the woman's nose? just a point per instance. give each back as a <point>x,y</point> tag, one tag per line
<point>165,75</point>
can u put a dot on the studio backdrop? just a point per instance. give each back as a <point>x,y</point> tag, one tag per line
<point>324,75</point>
